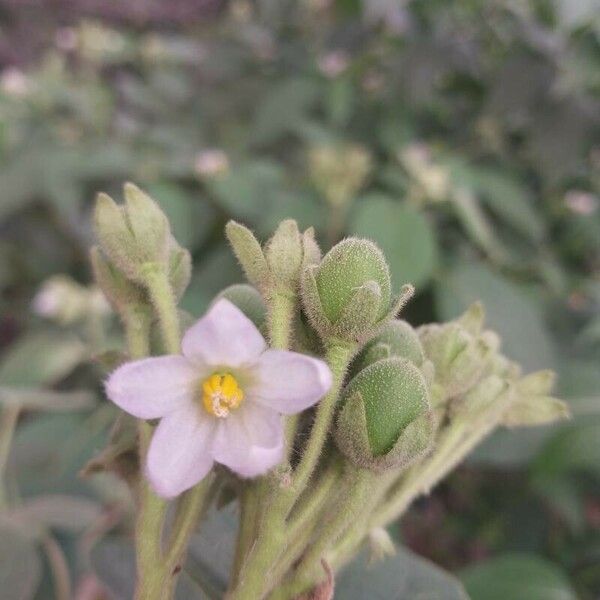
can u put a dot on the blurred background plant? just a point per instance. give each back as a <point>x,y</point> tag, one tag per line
<point>462,137</point>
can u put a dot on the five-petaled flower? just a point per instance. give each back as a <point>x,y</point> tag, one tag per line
<point>220,401</point>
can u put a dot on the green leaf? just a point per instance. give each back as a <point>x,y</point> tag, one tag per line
<point>404,576</point>
<point>573,448</point>
<point>41,358</point>
<point>210,554</point>
<point>20,565</point>
<point>510,311</point>
<point>60,511</point>
<point>516,576</point>
<point>283,109</point>
<point>113,561</point>
<point>249,191</point>
<point>404,235</point>
<point>44,400</point>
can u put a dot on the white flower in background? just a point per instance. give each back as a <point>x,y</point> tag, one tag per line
<point>62,299</point>
<point>581,203</point>
<point>211,162</point>
<point>14,82</point>
<point>220,401</point>
<point>333,63</point>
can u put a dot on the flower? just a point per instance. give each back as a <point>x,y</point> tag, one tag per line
<point>220,401</point>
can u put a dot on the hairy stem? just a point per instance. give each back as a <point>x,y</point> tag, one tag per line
<point>8,424</point>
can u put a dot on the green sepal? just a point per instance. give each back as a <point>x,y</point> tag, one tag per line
<point>250,255</point>
<point>283,253</point>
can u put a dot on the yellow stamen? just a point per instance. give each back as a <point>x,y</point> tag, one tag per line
<point>221,394</point>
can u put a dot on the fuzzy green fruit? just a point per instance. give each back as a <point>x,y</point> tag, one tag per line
<point>347,266</point>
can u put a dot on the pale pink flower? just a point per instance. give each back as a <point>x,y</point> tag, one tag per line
<point>220,401</point>
<point>333,63</point>
<point>580,202</point>
<point>211,162</point>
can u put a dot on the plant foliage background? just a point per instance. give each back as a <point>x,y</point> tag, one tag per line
<point>474,129</point>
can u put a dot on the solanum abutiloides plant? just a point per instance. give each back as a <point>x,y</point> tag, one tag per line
<point>300,395</point>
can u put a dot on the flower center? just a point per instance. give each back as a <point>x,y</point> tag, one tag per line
<point>221,394</point>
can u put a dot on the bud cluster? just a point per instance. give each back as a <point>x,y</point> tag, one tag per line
<point>404,407</point>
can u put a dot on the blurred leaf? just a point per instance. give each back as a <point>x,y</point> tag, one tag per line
<point>40,358</point>
<point>509,310</point>
<point>404,235</point>
<point>250,190</point>
<point>44,400</point>
<point>68,513</point>
<point>573,448</point>
<point>49,450</point>
<point>517,576</point>
<point>283,109</point>
<point>401,577</point>
<point>20,565</point>
<point>210,555</point>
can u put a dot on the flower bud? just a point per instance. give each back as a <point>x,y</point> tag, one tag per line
<point>460,352</point>
<point>248,300</point>
<point>284,254</point>
<point>396,338</point>
<point>533,404</point>
<point>132,235</point>
<point>119,291</point>
<point>348,295</point>
<point>338,172</point>
<point>385,421</point>
<point>277,267</point>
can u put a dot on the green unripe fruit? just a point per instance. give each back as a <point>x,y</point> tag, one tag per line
<point>248,300</point>
<point>396,338</point>
<point>394,394</point>
<point>347,266</point>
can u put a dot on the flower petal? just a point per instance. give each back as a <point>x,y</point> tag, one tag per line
<point>178,456</point>
<point>289,382</point>
<point>250,440</point>
<point>153,387</point>
<point>224,336</point>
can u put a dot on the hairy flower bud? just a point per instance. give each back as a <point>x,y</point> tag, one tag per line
<point>385,421</point>
<point>132,235</point>
<point>460,352</point>
<point>348,295</point>
<point>533,404</point>
<point>396,338</point>
<point>278,266</point>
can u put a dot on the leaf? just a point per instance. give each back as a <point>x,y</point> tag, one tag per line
<point>20,565</point>
<point>113,561</point>
<point>210,554</point>
<point>283,109</point>
<point>68,513</point>
<point>44,400</point>
<point>404,576</point>
<point>41,358</point>
<point>573,448</point>
<point>517,575</point>
<point>510,311</point>
<point>404,235</point>
<point>249,191</point>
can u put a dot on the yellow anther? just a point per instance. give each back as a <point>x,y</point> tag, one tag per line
<point>221,394</point>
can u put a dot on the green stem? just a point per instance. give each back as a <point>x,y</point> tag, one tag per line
<point>257,572</point>
<point>137,320</point>
<point>8,424</point>
<point>163,300</point>
<point>148,532</point>
<point>352,499</point>
<point>338,356</point>
<point>282,307</point>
